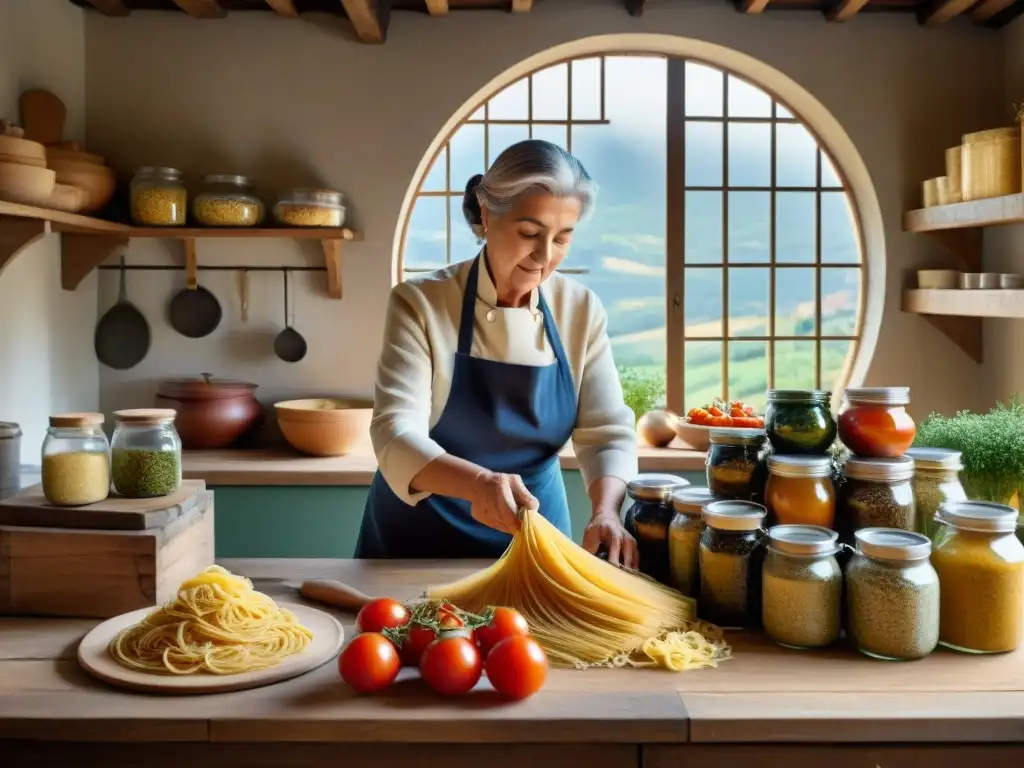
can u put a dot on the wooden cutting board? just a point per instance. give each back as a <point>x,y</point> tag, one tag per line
<point>42,116</point>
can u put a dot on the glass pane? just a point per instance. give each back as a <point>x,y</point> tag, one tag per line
<point>501,137</point>
<point>750,235</point>
<point>746,100</point>
<point>478,115</point>
<point>467,154</point>
<point>551,93</point>
<point>840,301</point>
<point>796,156</point>
<point>839,242</point>
<point>782,112</point>
<point>427,233</point>
<point>795,308</point>
<point>703,227</point>
<point>702,308</point>
<point>794,227</point>
<point>464,244</point>
<point>511,103</point>
<point>748,372</point>
<point>834,358</point>
<point>750,155</point>
<point>435,179</point>
<point>556,134</point>
<point>702,378</point>
<point>749,301</point>
<point>794,364</point>
<point>586,89</point>
<point>705,90</point>
<point>704,154</point>
<point>829,175</point>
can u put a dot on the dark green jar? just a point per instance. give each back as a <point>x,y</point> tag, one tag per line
<point>800,421</point>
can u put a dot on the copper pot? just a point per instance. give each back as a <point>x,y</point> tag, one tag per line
<point>212,413</point>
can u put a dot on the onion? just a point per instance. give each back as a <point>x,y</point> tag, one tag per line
<point>657,428</point>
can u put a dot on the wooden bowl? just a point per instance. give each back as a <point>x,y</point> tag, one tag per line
<point>97,181</point>
<point>23,151</point>
<point>698,436</point>
<point>325,426</point>
<point>66,198</point>
<point>73,155</point>
<point>25,184</point>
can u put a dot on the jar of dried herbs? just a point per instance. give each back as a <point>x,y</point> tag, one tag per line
<point>145,453</point>
<point>875,493</point>
<point>684,538</point>
<point>936,481</point>
<point>731,557</point>
<point>76,460</point>
<point>736,463</point>
<point>648,519</point>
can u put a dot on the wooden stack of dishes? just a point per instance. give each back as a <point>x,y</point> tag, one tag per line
<point>24,177</point>
<point>985,164</point>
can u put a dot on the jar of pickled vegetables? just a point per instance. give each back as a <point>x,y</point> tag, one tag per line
<point>936,481</point>
<point>158,197</point>
<point>875,422</point>
<point>731,557</point>
<point>735,463</point>
<point>76,460</point>
<point>800,421</point>
<point>648,520</point>
<point>800,491</point>
<point>684,538</point>
<point>875,493</point>
<point>980,563</point>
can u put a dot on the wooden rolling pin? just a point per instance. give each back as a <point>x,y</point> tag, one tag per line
<point>334,593</point>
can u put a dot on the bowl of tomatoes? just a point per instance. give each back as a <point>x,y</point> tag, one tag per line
<point>695,428</point>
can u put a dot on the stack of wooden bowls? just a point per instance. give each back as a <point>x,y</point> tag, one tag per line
<point>24,177</point>
<point>84,172</point>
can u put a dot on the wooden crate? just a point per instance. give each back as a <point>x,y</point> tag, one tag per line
<point>105,559</point>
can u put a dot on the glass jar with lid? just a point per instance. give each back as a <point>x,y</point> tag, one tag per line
<point>800,491</point>
<point>736,463</point>
<point>648,519</point>
<point>731,557</point>
<point>875,422</point>
<point>311,208</point>
<point>228,201</point>
<point>158,197</point>
<point>936,481</point>
<point>145,453</point>
<point>892,594</point>
<point>800,421</point>
<point>76,460</point>
<point>802,586</point>
<point>684,538</point>
<point>980,563</point>
<point>875,493</point>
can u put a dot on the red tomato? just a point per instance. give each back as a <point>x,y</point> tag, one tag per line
<point>415,644</point>
<point>876,431</point>
<point>517,667</point>
<point>507,622</point>
<point>369,663</point>
<point>451,665</point>
<point>750,422</point>
<point>381,613</point>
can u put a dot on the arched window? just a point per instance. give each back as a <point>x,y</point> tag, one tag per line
<point>724,246</point>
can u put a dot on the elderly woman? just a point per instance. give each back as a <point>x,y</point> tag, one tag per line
<point>488,368</point>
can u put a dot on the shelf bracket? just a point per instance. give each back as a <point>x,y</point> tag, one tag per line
<point>18,234</point>
<point>81,254</point>
<point>964,244</point>
<point>332,261</point>
<point>965,332</point>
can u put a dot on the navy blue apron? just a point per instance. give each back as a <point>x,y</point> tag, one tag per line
<point>505,417</point>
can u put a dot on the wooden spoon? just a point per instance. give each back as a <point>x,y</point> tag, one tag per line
<point>334,593</point>
<point>42,116</point>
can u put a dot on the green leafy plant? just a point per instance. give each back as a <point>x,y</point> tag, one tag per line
<point>642,392</point>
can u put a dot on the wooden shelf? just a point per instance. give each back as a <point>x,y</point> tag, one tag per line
<point>965,303</point>
<point>990,212</point>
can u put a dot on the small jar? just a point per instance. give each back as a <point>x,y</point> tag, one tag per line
<point>802,587</point>
<point>648,519</point>
<point>980,563</point>
<point>228,201</point>
<point>684,534</point>
<point>875,493</point>
<point>145,453</point>
<point>76,460</point>
<point>311,208</point>
<point>936,481</point>
<point>158,197</point>
<point>892,594</point>
<point>735,463</point>
<point>800,491</point>
<point>800,421</point>
<point>875,422</point>
<point>731,557</point>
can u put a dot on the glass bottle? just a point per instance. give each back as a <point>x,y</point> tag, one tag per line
<point>145,453</point>
<point>875,422</point>
<point>684,535</point>
<point>648,519</point>
<point>158,197</point>
<point>735,463</point>
<point>936,481</point>
<point>76,460</point>
<point>731,555</point>
<point>800,491</point>
<point>800,421</point>
<point>228,201</point>
<point>875,493</point>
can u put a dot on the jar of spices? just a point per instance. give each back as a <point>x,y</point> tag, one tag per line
<point>648,519</point>
<point>800,421</point>
<point>736,463</point>
<point>936,481</point>
<point>731,557</point>
<point>10,458</point>
<point>158,197</point>
<point>800,491</point>
<point>875,422</point>
<point>76,460</point>
<point>892,594</point>
<point>684,538</point>
<point>145,453</point>
<point>802,586</point>
<point>980,563</point>
<point>875,493</point>
<point>311,208</point>
<point>228,201</point>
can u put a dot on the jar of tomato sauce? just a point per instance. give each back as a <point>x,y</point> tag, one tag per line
<point>875,422</point>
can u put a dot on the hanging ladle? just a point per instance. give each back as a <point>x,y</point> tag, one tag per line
<point>289,344</point>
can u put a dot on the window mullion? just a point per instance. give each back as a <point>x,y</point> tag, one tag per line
<point>675,236</point>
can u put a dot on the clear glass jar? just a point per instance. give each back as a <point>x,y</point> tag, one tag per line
<point>875,422</point>
<point>684,534</point>
<point>892,594</point>
<point>158,197</point>
<point>145,453</point>
<point>936,481</point>
<point>76,460</point>
<point>800,421</point>
<point>731,556</point>
<point>311,208</point>
<point>980,563</point>
<point>800,491</point>
<point>648,519</point>
<point>875,493</point>
<point>802,587</point>
<point>735,463</point>
<point>228,201</point>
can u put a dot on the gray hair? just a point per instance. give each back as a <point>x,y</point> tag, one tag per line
<point>527,166</point>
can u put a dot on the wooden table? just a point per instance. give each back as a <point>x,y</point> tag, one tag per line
<point>765,707</point>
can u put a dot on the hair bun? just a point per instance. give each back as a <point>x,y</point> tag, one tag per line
<point>470,203</point>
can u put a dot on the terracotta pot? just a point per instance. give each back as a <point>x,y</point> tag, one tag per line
<point>212,413</point>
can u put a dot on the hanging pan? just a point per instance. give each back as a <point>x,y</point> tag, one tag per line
<point>122,334</point>
<point>289,345</point>
<point>195,312</point>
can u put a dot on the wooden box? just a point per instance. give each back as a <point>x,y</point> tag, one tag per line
<point>103,559</point>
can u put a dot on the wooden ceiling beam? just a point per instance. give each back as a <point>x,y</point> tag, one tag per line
<point>437,7</point>
<point>522,6</point>
<point>202,9</point>
<point>986,9</point>
<point>635,7</point>
<point>845,10</point>
<point>753,6</point>
<point>284,8</point>
<point>368,24</point>
<point>941,11</point>
<point>110,7</point>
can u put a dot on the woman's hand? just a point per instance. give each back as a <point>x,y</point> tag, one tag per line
<point>605,527</point>
<point>497,498</point>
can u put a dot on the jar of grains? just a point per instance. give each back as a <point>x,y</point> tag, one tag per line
<point>875,421</point>
<point>936,481</point>
<point>684,538</point>
<point>981,571</point>
<point>158,197</point>
<point>227,201</point>
<point>875,493</point>
<point>648,518</point>
<point>800,491</point>
<point>802,586</point>
<point>145,453</point>
<point>311,208</point>
<point>731,556</point>
<point>892,594</point>
<point>76,460</point>
<point>735,463</point>
<point>800,421</point>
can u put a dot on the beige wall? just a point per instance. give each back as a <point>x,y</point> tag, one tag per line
<point>299,102</point>
<point>46,359</point>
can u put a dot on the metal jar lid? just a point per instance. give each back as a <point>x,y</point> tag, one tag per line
<point>879,470</point>
<point>982,516</point>
<point>229,178</point>
<point>654,487</point>
<point>803,540</point>
<point>800,466</point>
<point>156,170</point>
<point>879,395</point>
<point>692,500</point>
<point>799,396</point>
<point>734,515</point>
<point>9,430</point>
<point>892,544</point>
<point>76,420</point>
<point>737,436</point>
<point>315,196</point>
<point>936,458</point>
